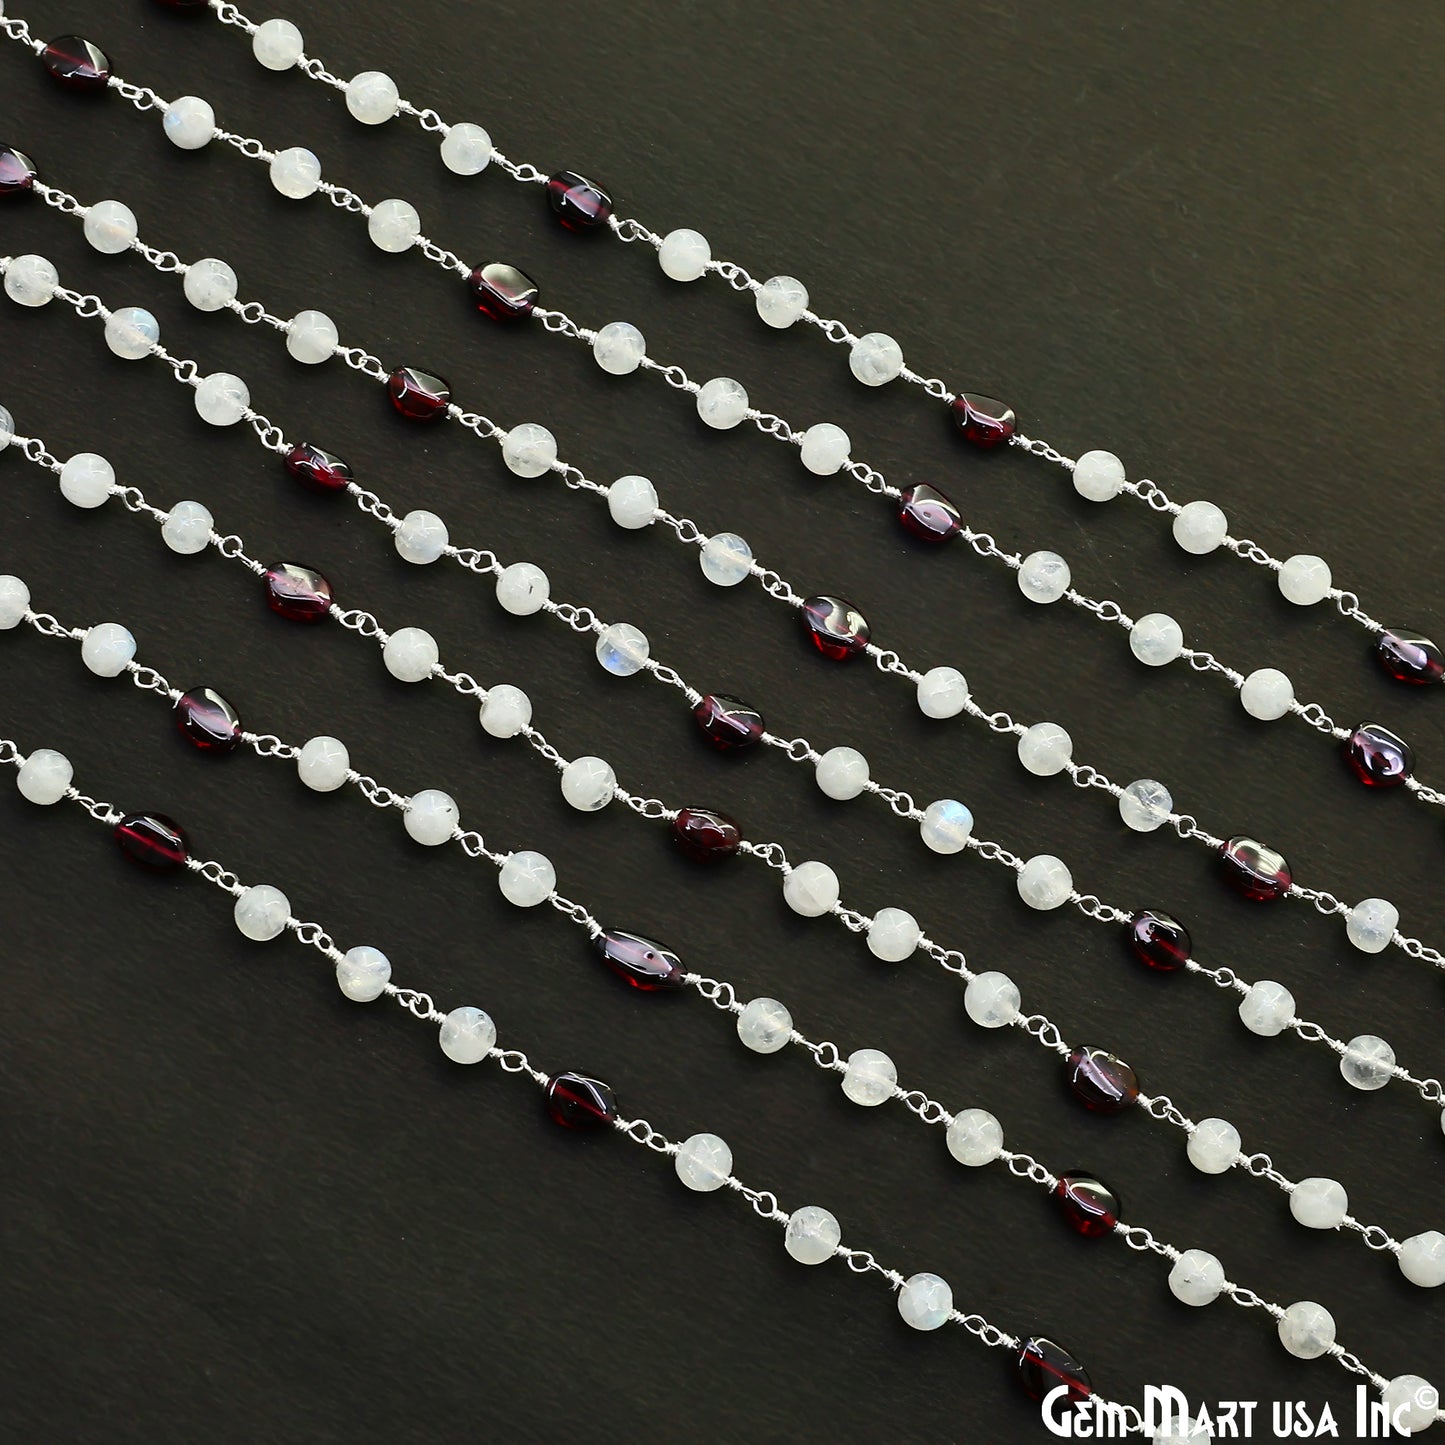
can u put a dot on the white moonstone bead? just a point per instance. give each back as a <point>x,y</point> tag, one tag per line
<point>1367,1063</point>
<point>393,226</point>
<point>296,172</point>
<point>764,1025</point>
<point>1371,924</point>
<point>870,1078</point>
<point>1045,749</point>
<point>277,44</point>
<point>466,149</point>
<point>86,480</point>
<point>107,648</point>
<point>467,1035</point>
<point>622,649</point>
<point>410,654</point>
<point>811,1234</point>
<point>1267,1008</point>
<point>371,97</point>
<point>1412,1402</point>
<point>618,348</point>
<point>1266,694</point>
<point>323,763</point>
<point>363,973</point>
<point>523,588</point>
<point>189,122</point>
<point>781,300</point>
<point>505,711</point>
<point>942,692</point>
<point>946,826</point>
<point>421,538</point>
<point>925,1301</point>
<point>1200,527</point>
<point>1145,805</point>
<point>632,501</point>
<point>824,448</point>
<point>975,1137</point>
<point>187,528</point>
<point>209,284</point>
<point>722,402</point>
<point>1044,577</point>
<point>110,227</point>
<point>893,935</point>
<point>1156,639</point>
<point>588,783</point>
<point>44,776</point>
<point>14,601</point>
<point>991,1000</point>
<point>1319,1203</point>
<point>131,332</point>
<point>842,773</point>
<point>1422,1259</point>
<point>811,889</point>
<point>7,427</point>
<point>31,280</point>
<point>311,336</point>
<point>875,359</point>
<point>527,879</point>
<point>703,1162</point>
<point>1213,1146</point>
<point>1305,579</point>
<point>1306,1329</point>
<point>1044,882</point>
<point>222,398</point>
<point>1098,476</point>
<point>431,817</point>
<point>1197,1277</point>
<point>261,912</point>
<point>529,449</point>
<point>684,255</point>
<point>725,559</point>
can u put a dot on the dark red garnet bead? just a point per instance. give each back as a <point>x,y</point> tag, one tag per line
<point>152,840</point>
<point>640,962</point>
<point>298,592</point>
<point>206,719</point>
<point>317,470</point>
<point>1410,658</point>
<point>577,203</point>
<point>1101,1081</point>
<point>418,395</point>
<point>928,514</point>
<point>17,172</point>
<point>1254,870</point>
<point>1044,1366</point>
<point>837,629</point>
<point>985,422</point>
<point>1158,940</point>
<point>727,723</point>
<point>503,292</point>
<point>577,1101</point>
<point>705,836</point>
<point>75,62</point>
<point>1379,758</point>
<point>1089,1207</point>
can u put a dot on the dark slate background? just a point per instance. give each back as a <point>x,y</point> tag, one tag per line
<point>235,1206</point>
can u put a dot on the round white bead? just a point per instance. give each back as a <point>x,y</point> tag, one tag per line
<point>1371,924</point>
<point>466,149</point>
<point>311,336</point>
<point>632,501</point>
<point>1267,1008</point>
<point>684,255</point>
<point>870,1078</point>
<point>31,280</point>
<point>371,97</point>
<point>893,935</point>
<point>1098,476</point>
<point>261,912</point>
<point>277,44</point>
<point>529,449</point>
<point>107,648</point>
<point>527,879</point>
<point>14,601</point>
<point>725,559</point>
<point>421,538</point>
<point>187,528</point>
<point>1367,1062</point>
<point>86,480</point>
<point>1200,527</point>
<point>209,284</point>
<point>110,227</point>
<point>1045,749</point>
<point>1412,1402</point>
<point>974,1137</point>
<point>946,826</point>
<point>811,1234</point>
<point>875,359</point>
<point>811,889</point>
<point>781,300</point>
<point>323,763</point>
<point>7,427</point>
<point>189,122</point>
<point>1319,1203</point>
<point>622,649</point>
<point>1197,1277</point>
<point>1044,882</point>
<point>1422,1259</point>
<point>467,1035</point>
<point>131,332</point>
<point>925,1301</point>
<point>431,817</point>
<point>222,399</point>
<point>764,1025</point>
<point>824,448</point>
<point>991,1000</point>
<point>842,773</point>
<point>363,973</point>
<point>296,172</point>
<point>1213,1146</point>
<point>1156,639</point>
<point>44,776</point>
<point>505,711</point>
<point>588,783</point>
<point>722,402</point>
<point>393,226</point>
<point>1306,1329</point>
<point>523,588</point>
<point>1044,577</point>
<point>1266,694</point>
<point>1305,579</point>
<point>703,1162</point>
<point>618,348</point>
<point>1145,805</point>
<point>942,692</point>
<point>410,654</point>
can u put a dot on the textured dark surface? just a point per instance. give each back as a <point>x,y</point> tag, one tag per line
<point>237,1207</point>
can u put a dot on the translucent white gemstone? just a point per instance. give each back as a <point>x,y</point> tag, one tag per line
<point>1371,924</point>
<point>110,227</point>
<point>523,588</point>
<point>527,878</point>
<point>1319,1203</point>
<point>870,1078</point>
<point>1098,476</point>
<point>946,826</point>
<point>722,402</point>
<point>311,336</point>
<point>7,427</point>
<point>467,1035</point>
<point>1266,694</point>
<point>261,912</point>
<point>466,149</point>
<point>764,1025</point>
<point>1412,1402</point>
<point>31,280</point>
<point>925,1301</point>
<point>1044,577</point>
<point>811,889</point>
<point>1306,1329</point>
<point>44,776</point>
<point>725,559</point>
<point>1045,749</point>
<point>363,973</point>
<point>991,1000</point>
<point>632,501</point>
<point>1200,527</point>
<point>431,817</point>
<point>1145,805</point>
<point>1267,1008</point>
<point>505,711</point>
<point>14,601</point>
<point>703,1162</point>
<point>1367,1062</point>
<point>825,448</point>
<point>107,648</point>
<point>811,1234</point>
<point>277,44</point>
<point>529,449</point>
<point>588,783</point>
<point>684,255</point>
<point>781,300</point>
<point>1422,1259</point>
<point>942,692</point>
<point>619,347</point>
<point>893,935</point>
<point>842,773</point>
<point>1197,1277</point>
<point>296,172</point>
<point>421,538</point>
<point>393,225</point>
<point>371,97</point>
<point>323,763</point>
<point>1044,882</point>
<point>189,122</point>
<point>222,398</point>
<point>1305,579</point>
<point>622,649</point>
<point>187,528</point>
<point>410,654</point>
<point>1156,639</point>
<point>131,332</point>
<point>875,358</point>
<point>1213,1146</point>
<point>209,284</point>
<point>86,480</point>
<point>975,1137</point>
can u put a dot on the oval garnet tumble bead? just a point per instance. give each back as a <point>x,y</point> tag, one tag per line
<point>17,172</point>
<point>1044,1366</point>
<point>576,1101</point>
<point>503,292</point>
<point>298,592</point>
<point>1254,870</point>
<point>1089,1207</point>
<point>75,62</point>
<point>1101,1081</point>
<point>317,470</point>
<point>418,395</point>
<point>705,836</point>
<point>1379,758</point>
<point>152,840</point>
<point>577,203</point>
<point>1410,658</point>
<point>207,720</point>
<point>985,422</point>
<point>1158,940</point>
<point>928,514</point>
<point>837,629</point>
<point>639,961</point>
<point>727,723</point>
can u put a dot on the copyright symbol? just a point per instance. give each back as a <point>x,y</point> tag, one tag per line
<point>1427,1397</point>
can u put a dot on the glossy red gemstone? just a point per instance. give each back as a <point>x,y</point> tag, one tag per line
<point>317,470</point>
<point>985,422</point>
<point>1089,1207</point>
<point>577,1101</point>
<point>727,723</point>
<point>577,203</point>
<point>1100,1081</point>
<point>17,172</point>
<point>503,292</point>
<point>1378,757</point>
<point>639,961</point>
<point>837,629</point>
<point>1158,940</point>
<point>152,840</point>
<point>206,719</point>
<point>1408,657</point>
<point>418,395</point>
<point>1044,1366</point>
<point>705,836</point>
<point>1254,870</point>
<point>928,514</point>
<point>298,592</point>
<point>75,62</point>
